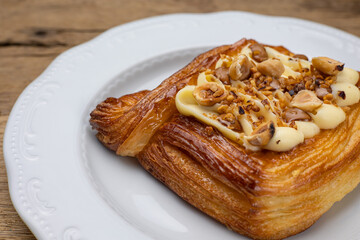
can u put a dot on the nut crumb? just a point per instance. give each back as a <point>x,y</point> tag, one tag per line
<point>209,130</point>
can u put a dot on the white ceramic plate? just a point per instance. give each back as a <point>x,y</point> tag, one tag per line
<point>66,185</point>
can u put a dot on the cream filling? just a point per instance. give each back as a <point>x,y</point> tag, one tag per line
<point>328,116</point>
<point>348,75</point>
<point>308,129</point>
<point>345,81</point>
<point>352,93</point>
<point>285,138</point>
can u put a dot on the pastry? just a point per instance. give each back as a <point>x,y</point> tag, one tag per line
<point>259,138</point>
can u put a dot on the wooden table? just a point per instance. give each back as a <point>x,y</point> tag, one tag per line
<point>33,33</point>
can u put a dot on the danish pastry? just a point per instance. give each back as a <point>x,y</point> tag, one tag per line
<point>259,138</point>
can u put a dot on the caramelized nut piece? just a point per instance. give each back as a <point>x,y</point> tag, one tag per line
<point>293,114</point>
<point>342,94</point>
<point>258,52</point>
<point>271,67</point>
<point>229,121</point>
<point>262,134</point>
<point>298,87</point>
<point>209,131</point>
<point>327,65</point>
<point>322,92</point>
<point>301,56</point>
<point>209,93</point>
<point>222,73</point>
<point>306,100</point>
<point>240,68</point>
<point>275,84</point>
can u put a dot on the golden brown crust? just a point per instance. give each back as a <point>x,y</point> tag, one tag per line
<point>107,114</point>
<point>263,195</point>
<point>182,157</point>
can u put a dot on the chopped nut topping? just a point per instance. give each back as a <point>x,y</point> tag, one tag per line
<point>306,100</point>
<point>241,111</point>
<point>301,56</point>
<point>255,108</point>
<point>271,67</point>
<point>262,135</point>
<point>229,117</point>
<point>258,92</point>
<point>229,121</point>
<point>328,96</point>
<point>275,84</point>
<point>265,102</point>
<point>209,130</point>
<point>233,94</point>
<point>257,75</point>
<point>240,68</point>
<point>322,92</point>
<point>223,109</point>
<point>327,65</point>
<point>293,114</point>
<point>298,87</point>
<point>230,98</point>
<point>222,73</point>
<point>258,52</point>
<point>210,93</point>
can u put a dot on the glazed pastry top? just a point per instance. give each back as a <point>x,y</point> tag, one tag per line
<point>263,98</point>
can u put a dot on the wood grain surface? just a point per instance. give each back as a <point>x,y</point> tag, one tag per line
<point>33,33</point>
